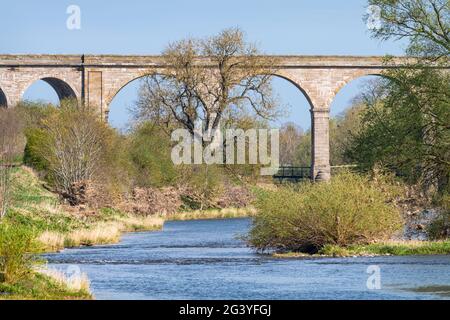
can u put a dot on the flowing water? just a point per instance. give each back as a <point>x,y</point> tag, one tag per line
<point>204,259</point>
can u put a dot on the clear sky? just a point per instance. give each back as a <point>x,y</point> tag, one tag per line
<point>299,27</point>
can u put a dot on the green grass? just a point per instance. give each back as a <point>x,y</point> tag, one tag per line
<point>56,226</point>
<point>59,226</point>
<point>40,287</point>
<point>34,206</point>
<point>394,248</point>
<point>402,248</point>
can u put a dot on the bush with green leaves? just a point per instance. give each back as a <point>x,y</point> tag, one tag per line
<point>149,150</point>
<point>18,246</point>
<point>351,209</point>
<point>72,144</point>
<point>439,228</point>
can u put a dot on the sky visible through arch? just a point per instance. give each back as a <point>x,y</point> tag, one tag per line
<point>283,27</point>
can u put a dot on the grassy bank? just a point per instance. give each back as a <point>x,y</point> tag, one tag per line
<point>37,222</point>
<point>36,213</point>
<point>39,286</point>
<point>227,213</point>
<point>60,226</point>
<point>395,248</point>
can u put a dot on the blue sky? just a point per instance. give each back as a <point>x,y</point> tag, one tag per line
<point>299,27</point>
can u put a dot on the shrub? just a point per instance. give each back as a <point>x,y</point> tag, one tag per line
<point>71,144</point>
<point>350,209</point>
<point>17,248</point>
<point>149,149</point>
<point>11,144</point>
<point>149,201</point>
<point>439,228</point>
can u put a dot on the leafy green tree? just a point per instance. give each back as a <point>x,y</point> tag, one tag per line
<point>406,127</point>
<point>342,128</point>
<point>406,122</point>
<point>70,143</point>
<point>425,23</point>
<point>11,146</point>
<point>150,149</point>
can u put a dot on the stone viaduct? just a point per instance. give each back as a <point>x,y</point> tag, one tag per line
<point>96,79</point>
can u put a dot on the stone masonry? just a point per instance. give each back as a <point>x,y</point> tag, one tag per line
<point>96,79</point>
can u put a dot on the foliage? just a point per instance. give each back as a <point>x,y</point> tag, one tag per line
<point>350,209</point>
<point>237,85</point>
<point>405,126</point>
<point>439,228</point>
<point>11,141</point>
<point>342,128</point>
<point>290,139</point>
<point>17,245</point>
<point>399,248</point>
<point>202,185</point>
<point>71,143</point>
<point>41,287</point>
<point>33,113</point>
<point>406,123</point>
<point>426,23</point>
<point>149,150</point>
<point>304,150</point>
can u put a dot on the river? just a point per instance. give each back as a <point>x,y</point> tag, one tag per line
<point>204,259</point>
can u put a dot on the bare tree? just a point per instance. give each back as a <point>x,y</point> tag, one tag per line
<point>213,79</point>
<point>73,140</point>
<point>11,145</point>
<point>290,139</point>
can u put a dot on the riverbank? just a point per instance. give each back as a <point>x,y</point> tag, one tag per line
<point>39,286</point>
<point>60,226</point>
<point>226,213</point>
<point>55,227</point>
<point>204,252</point>
<point>391,248</point>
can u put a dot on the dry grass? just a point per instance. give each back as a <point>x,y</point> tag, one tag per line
<point>226,213</point>
<point>148,223</point>
<point>50,208</point>
<point>103,233</point>
<point>99,233</point>
<point>76,282</point>
<point>52,241</point>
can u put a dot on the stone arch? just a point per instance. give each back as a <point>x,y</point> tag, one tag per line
<point>296,84</point>
<point>114,90</point>
<point>355,75</point>
<point>62,88</point>
<point>3,100</point>
<point>121,81</point>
